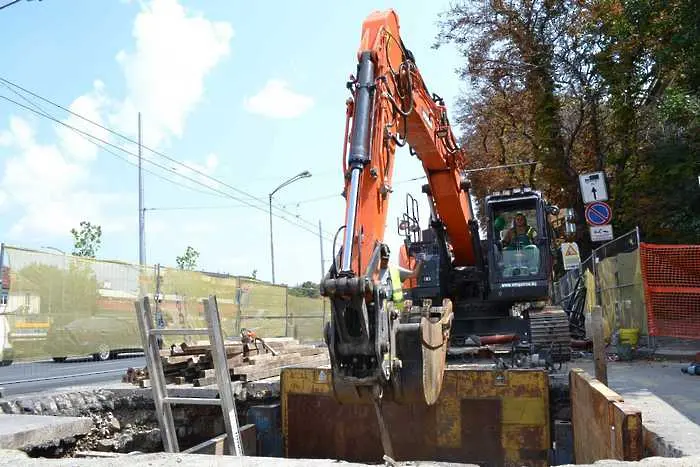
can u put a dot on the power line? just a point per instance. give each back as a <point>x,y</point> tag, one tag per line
<point>89,138</point>
<point>9,4</point>
<point>401,182</point>
<point>165,156</point>
<point>50,117</point>
<point>195,208</point>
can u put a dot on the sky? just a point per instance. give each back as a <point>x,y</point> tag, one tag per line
<point>235,98</point>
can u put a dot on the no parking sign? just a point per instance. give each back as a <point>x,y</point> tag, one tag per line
<point>598,213</point>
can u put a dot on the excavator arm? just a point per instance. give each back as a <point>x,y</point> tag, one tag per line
<point>391,107</point>
<point>379,348</point>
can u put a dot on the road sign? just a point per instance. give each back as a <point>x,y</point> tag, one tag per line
<point>593,187</point>
<point>601,233</point>
<point>571,256</point>
<point>598,213</point>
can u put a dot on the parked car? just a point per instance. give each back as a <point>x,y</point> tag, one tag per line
<point>102,337</point>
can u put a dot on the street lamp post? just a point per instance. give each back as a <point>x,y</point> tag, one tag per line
<point>299,176</point>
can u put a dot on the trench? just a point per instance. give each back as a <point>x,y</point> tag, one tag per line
<point>125,422</point>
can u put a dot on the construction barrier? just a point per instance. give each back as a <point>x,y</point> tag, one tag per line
<point>57,305</point>
<point>612,279</point>
<point>671,276</point>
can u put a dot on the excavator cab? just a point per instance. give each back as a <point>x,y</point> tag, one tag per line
<point>519,245</point>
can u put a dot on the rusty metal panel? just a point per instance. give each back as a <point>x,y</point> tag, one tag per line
<point>629,442</point>
<point>604,427</point>
<point>489,417</point>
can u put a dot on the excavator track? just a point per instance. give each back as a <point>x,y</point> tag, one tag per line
<point>549,332</point>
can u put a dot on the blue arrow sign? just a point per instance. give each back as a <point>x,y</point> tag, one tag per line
<point>598,213</point>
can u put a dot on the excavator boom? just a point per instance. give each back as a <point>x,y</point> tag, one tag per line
<point>392,107</point>
<point>380,348</point>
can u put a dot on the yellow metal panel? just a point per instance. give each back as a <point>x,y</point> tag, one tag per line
<point>502,416</point>
<point>449,428</point>
<point>524,411</point>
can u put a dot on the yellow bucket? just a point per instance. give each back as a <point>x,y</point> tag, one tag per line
<point>629,336</point>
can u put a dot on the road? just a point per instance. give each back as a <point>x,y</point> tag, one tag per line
<point>25,378</point>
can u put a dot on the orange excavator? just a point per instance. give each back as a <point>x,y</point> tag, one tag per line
<point>383,345</point>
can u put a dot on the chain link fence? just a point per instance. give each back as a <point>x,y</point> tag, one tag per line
<point>612,279</point>
<point>56,305</point>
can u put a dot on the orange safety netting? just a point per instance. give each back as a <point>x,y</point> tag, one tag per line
<point>671,275</point>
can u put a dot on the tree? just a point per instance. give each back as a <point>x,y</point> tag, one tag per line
<point>306,289</point>
<point>188,261</point>
<point>255,274</point>
<point>610,85</point>
<point>87,240</point>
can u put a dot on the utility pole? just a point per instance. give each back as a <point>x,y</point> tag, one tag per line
<point>320,241</point>
<point>142,212</point>
<point>323,273</point>
<point>272,247</point>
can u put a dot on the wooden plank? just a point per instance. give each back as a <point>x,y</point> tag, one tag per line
<point>201,382</point>
<point>194,363</point>
<point>601,366</point>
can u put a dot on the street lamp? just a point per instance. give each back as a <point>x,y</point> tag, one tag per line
<point>304,174</point>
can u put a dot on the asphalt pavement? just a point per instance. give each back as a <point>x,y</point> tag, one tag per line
<point>25,378</point>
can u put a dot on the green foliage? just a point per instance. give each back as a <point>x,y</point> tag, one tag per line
<point>87,240</point>
<point>188,261</point>
<point>306,289</point>
<point>609,85</point>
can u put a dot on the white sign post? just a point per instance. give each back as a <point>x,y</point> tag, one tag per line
<point>571,256</point>
<point>593,187</point>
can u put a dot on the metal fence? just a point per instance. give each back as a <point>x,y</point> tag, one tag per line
<point>57,305</point>
<point>611,278</point>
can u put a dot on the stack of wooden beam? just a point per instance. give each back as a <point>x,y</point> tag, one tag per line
<point>193,364</point>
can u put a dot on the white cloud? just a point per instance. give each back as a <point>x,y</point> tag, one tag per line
<point>200,172</point>
<point>276,100</point>
<point>46,185</point>
<point>164,80</point>
<point>90,106</point>
<point>5,138</point>
<point>174,52</point>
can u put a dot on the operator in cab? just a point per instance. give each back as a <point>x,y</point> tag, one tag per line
<point>521,234</point>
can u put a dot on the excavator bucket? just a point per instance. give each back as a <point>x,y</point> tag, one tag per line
<point>483,416</point>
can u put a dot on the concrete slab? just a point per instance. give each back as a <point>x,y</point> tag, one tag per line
<point>23,431</point>
<point>669,401</point>
<point>7,458</point>
<point>12,458</point>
